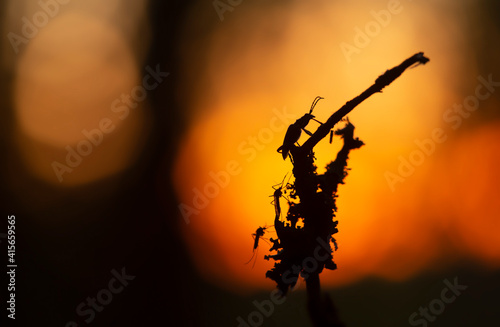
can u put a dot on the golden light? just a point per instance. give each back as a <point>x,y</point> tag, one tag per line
<point>261,79</point>
<point>72,61</point>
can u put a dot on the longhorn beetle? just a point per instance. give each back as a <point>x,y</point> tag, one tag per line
<point>293,132</point>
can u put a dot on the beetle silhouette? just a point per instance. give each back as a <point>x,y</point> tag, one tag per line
<point>295,130</point>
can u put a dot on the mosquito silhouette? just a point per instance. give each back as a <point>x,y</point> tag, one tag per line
<point>278,193</point>
<point>259,233</point>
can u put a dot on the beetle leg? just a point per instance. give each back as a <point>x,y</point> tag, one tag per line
<point>307,132</point>
<point>317,121</point>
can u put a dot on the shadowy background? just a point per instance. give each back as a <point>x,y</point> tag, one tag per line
<point>119,207</point>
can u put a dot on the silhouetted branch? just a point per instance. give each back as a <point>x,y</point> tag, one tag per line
<point>320,306</point>
<point>312,201</point>
<point>382,81</point>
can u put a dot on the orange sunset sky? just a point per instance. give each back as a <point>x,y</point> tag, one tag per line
<point>266,62</point>
<point>254,80</point>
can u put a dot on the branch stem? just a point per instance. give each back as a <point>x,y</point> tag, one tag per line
<point>382,81</point>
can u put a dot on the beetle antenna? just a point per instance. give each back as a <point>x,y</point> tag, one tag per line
<point>316,100</point>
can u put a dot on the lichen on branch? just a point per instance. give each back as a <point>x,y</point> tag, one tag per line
<point>304,244</point>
